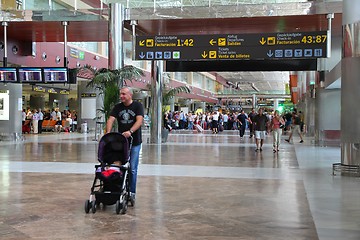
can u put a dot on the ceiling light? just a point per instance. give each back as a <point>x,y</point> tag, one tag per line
<point>238,87</point>
<point>254,87</point>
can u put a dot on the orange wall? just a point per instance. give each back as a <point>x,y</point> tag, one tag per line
<point>293,88</point>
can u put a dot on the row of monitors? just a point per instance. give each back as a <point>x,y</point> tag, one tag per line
<point>34,75</point>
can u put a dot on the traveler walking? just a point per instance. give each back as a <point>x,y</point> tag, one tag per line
<point>260,127</point>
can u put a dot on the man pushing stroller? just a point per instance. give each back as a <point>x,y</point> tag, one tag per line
<point>129,115</point>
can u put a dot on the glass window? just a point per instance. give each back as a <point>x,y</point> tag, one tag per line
<point>181,76</point>
<point>88,46</point>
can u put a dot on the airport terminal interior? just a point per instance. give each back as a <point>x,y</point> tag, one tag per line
<point>196,186</point>
<point>229,56</point>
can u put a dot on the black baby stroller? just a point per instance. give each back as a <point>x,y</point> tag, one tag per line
<point>111,183</point>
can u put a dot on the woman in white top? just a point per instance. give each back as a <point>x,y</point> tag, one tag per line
<point>35,120</point>
<point>214,122</point>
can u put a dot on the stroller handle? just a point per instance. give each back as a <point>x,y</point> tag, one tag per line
<point>130,142</point>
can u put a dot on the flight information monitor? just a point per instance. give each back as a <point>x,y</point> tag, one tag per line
<point>30,74</point>
<point>55,74</point>
<point>8,74</point>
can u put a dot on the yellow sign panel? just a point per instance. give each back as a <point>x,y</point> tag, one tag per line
<point>271,40</point>
<point>222,42</point>
<point>212,54</point>
<point>149,42</point>
<point>39,89</point>
<point>66,92</point>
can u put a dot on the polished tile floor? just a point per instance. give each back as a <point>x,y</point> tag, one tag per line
<point>195,186</point>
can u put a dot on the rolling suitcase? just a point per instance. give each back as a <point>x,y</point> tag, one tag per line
<point>199,128</point>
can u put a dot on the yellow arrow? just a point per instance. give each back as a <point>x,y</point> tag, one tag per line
<point>263,41</point>
<point>142,43</point>
<point>204,55</point>
<point>212,42</point>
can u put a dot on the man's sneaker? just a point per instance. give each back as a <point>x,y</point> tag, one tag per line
<point>132,199</point>
<point>287,140</point>
<point>301,141</point>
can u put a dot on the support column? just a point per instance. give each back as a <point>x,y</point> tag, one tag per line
<point>310,113</point>
<point>203,106</point>
<point>350,86</point>
<point>65,24</point>
<point>157,69</point>
<point>10,128</point>
<point>5,25</point>
<point>172,104</point>
<point>116,35</point>
<point>254,101</point>
<point>276,104</point>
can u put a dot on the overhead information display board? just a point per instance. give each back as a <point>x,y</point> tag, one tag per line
<point>298,45</point>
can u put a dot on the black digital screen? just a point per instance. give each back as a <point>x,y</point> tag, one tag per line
<point>30,74</point>
<point>55,74</point>
<point>8,74</point>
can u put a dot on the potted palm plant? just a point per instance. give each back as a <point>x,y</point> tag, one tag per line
<point>108,82</point>
<point>170,94</point>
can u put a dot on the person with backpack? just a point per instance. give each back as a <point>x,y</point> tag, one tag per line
<point>241,119</point>
<point>296,122</point>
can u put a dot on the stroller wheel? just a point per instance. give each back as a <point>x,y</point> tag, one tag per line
<point>87,206</point>
<point>93,206</point>
<point>124,208</point>
<point>118,206</point>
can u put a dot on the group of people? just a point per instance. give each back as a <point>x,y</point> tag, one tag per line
<point>214,120</point>
<point>261,124</point>
<point>33,119</point>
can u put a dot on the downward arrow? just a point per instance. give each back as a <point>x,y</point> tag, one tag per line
<point>204,55</point>
<point>142,55</point>
<point>270,53</point>
<point>263,41</point>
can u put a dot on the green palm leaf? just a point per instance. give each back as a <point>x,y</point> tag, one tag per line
<point>108,82</point>
<point>173,92</point>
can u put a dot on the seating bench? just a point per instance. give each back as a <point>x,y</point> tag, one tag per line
<point>48,125</point>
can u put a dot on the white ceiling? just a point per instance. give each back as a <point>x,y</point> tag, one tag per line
<point>262,82</point>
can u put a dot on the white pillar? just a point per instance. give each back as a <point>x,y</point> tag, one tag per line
<point>350,86</point>
<point>116,35</point>
<point>276,104</point>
